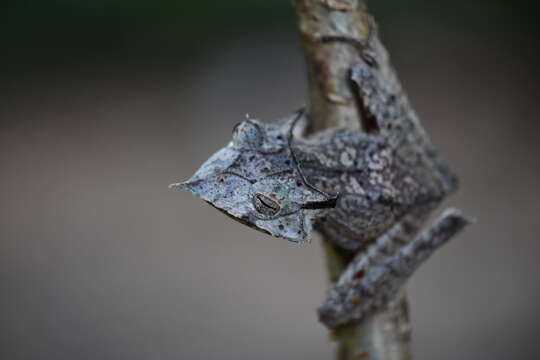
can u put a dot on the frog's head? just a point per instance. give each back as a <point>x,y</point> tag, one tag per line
<point>255,179</point>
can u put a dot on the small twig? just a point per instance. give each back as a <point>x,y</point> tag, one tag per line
<point>386,334</point>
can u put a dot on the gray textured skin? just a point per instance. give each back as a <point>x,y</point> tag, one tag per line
<point>369,191</point>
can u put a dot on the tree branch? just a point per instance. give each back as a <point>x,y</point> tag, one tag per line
<point>386,334</point>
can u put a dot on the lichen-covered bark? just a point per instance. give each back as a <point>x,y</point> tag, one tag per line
<point>384,335</point>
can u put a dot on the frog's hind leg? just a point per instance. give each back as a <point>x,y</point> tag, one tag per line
<point>374,277</point>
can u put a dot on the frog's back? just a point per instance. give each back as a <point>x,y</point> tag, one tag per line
<point>376,185</point>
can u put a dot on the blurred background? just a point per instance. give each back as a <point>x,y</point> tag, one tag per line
<point>104,103</point>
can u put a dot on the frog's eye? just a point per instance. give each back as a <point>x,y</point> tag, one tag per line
<point>248,134</point>
<point>264,205</point>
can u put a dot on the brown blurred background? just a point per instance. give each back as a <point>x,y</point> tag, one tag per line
<point>105,103</point>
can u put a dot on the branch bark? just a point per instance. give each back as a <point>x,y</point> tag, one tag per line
<point>386,334</point>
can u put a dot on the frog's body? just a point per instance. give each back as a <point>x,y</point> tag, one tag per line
<point>376,187</point>
<point>369,191</point>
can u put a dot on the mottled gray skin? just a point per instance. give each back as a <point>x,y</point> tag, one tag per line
<point>369,191</point>
<point>376,186</point>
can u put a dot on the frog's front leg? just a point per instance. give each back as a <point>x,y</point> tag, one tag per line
<point>374,277</point>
